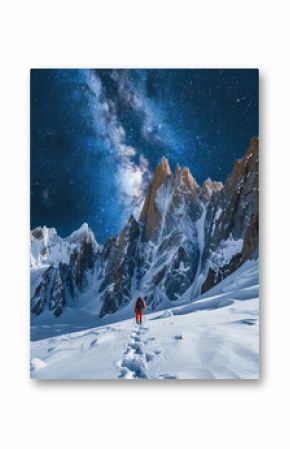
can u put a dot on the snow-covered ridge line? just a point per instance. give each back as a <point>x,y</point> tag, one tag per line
<point>187,239</point>
<point>48,248</point>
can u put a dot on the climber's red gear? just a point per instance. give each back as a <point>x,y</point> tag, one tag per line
<point>139,316</point>
<point>139,306</point>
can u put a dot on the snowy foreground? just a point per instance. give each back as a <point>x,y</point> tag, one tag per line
<point>215,337</point>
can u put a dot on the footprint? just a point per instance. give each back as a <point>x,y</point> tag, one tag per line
<point>136,366</point>
<point>135,359</point>
<point>149,356</point>
<point>137,347</point>
<point>129,350</point>
<point>125,373</point>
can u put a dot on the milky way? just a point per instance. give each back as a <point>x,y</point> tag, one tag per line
<point>97,135</point>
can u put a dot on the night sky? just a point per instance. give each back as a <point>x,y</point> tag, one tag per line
<point>97,135</point>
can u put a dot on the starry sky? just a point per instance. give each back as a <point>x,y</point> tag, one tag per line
<point>97,135</point>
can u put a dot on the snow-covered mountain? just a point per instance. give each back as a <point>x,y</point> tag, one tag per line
<point>61,269</point>
<point>47,248</point>
<point>232,220</point>
<point>187,239</point>
<point>215,337</point>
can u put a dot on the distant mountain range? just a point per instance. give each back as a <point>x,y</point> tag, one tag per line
<point>187,239</point>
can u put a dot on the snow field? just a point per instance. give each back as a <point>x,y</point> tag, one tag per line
<point>215,337</point>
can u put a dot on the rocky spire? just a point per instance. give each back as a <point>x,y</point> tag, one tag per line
<point>209,187</point>
<point>185,177</point>
<point>242,167</point>
<point>150,214</point>
<point>233,216</point>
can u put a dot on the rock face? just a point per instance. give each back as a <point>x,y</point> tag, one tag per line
<point>209,187</point>
<point>231,224</point>
<point>187,239</point>
<point>62,282</point>
<point>150,214</point>
<point>119,263</point>
<point>171,250</point>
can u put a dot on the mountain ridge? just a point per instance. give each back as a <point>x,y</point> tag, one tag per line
<point>187,239</point>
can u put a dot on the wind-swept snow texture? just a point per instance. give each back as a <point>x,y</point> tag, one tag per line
<point>215,337</point>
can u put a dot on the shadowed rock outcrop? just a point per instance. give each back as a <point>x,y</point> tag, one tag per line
<point>232,217</point>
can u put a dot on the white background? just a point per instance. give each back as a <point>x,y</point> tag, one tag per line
<point>144,34</point>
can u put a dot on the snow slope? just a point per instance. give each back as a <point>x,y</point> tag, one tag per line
<point>215,337</point>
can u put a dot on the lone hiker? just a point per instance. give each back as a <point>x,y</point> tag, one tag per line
<point>139,306</point>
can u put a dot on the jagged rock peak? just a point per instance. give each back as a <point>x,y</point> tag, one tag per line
<point>163,167</point>
<point>184,175</point>
<point>233,218</point>
<point>248,164</point>
<point>42,232</point>
<point>216,185</point>
<point>254,144</point>
<point>187,178</point>
<point>82,231</point>
<point>179,184</point>
<point>149,213</point>
<point>177,170</point>
<point>209,187</point>
<point>83,228</point>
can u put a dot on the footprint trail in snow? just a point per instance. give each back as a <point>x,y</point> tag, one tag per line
<point>135,360</point>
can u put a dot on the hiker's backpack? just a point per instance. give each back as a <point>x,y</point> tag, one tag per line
<point>139,304</point>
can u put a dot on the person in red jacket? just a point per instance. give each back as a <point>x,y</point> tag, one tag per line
<point>139,306</point>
